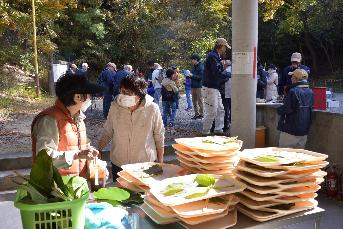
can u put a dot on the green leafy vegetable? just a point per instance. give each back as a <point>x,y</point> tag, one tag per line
<point>173,189</point>
<point>114,193</point>
<point>205,180</point>
<point>199,193</point>
<point>267,158</point>
<point>154,170</point>
<point>46,184</point>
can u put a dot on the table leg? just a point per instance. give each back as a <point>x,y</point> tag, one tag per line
<point>317,223</point>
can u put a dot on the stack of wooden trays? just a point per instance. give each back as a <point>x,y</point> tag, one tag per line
<point>192,206</point>
<point>134,176</point>
<point>280,181</point>
<point>213,154</point>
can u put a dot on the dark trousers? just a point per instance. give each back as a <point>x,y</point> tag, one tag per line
<point>115,171</point>
<point>106,104</point>
<point>227,109</point>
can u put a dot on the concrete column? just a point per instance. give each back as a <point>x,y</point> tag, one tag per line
<point>244,43</point>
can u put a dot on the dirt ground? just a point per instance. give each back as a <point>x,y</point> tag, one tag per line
<point>15,126</point>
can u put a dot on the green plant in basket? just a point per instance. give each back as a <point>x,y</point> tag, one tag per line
<point>46,185</point>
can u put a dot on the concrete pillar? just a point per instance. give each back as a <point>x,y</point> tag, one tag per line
<point>244,53</point>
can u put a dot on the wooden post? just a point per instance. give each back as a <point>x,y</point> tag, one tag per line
<point>35,59</point>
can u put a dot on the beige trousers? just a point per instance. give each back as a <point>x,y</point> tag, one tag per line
<point>197,101</point>
<point>291,141</point>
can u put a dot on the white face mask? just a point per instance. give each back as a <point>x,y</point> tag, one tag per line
<point>126,100</point>
<point>86,104</point>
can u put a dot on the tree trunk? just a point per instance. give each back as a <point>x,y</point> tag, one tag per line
<point>309,46</point>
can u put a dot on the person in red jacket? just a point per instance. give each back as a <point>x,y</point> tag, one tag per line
<point>60,129</point>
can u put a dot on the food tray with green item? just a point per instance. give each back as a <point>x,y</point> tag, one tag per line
<point>190,188</point>
<point>280,157</point>
<point>211,144</point>
<point>268,172</point>
<point>314,178</point>
<point>150,173</point>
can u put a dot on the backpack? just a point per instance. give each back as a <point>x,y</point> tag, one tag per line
<point>167,95</point>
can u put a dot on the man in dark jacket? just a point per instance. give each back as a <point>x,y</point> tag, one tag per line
<point>127,70</point>
<point>105,80</point>
<point>196,77</point>
<point>214,77</point>
<point>296,112</point>
<point>286,75</point>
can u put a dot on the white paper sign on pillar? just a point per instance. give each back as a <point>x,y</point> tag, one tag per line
<point>242,63</point>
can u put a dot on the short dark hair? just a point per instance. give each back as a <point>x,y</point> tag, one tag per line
<point>65,88</point>
<point>150,63</point>
<point>195,56</point>
<point>134,84</point>
<point>169,73</point>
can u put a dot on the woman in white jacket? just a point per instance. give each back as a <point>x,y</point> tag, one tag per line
<point>272,82</point>
<point>134,126</point>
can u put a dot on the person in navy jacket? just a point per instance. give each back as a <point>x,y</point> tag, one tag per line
<point>286,75</point>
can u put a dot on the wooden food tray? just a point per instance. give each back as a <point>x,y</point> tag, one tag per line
<point>228,184</point>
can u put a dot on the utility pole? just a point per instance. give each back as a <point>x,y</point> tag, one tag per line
<point>35,54</point>
<point>244,55</point>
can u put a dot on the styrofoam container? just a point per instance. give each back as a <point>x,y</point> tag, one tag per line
<point>223,185</point>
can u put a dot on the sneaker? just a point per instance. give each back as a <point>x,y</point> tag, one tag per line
<point>188,109</point>
<point>200,117</point>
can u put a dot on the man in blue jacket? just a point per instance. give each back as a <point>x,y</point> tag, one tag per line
<point>214,76</point>
<point>105,80</point>
<point>286,75</point>
<point>296,112</point>
<point>196,77</point>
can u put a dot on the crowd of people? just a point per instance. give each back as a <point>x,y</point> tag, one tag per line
<point>134,123</point>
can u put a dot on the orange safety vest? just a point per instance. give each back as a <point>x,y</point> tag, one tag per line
<point>71,137</point>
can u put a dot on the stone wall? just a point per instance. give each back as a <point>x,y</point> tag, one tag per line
<point>326,134</point>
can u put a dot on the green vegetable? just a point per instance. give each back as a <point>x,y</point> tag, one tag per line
<point>205,180</point>
<point>46,185</point>
<point>228,140</point>
<point>198,194</point>
<point>114,193</point>
<point>154,170</point>
<point>173,189</point>
<point>267,158</point>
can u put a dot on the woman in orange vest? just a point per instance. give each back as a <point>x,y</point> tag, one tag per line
<point>60,129</point>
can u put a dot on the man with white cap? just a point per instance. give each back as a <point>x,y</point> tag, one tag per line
<point>285,80</point>
<point>214,77</point>
<point>296,112</point>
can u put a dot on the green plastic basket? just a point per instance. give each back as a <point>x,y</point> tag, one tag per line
<point>61,215</point>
